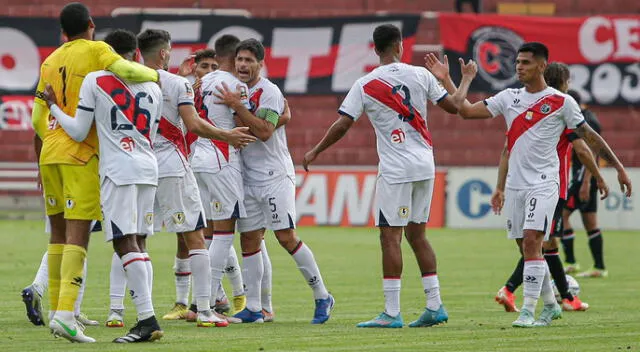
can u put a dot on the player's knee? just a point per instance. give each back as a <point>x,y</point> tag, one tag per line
<point>287,238</point>
<point>193,240</point>
<point>250,241</point>
<point>125,244</point>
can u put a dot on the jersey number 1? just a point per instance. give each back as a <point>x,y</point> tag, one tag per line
<point>63,72</point>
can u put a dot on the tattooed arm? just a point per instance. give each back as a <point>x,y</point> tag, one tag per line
<point>601,148</point>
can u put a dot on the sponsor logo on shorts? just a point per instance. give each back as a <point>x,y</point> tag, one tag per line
<point>217,206</point>
<point>148,218</point>
<point>509,225</point>
<point>403,212</point>
<point>70,203</point>
<point>178,218</point>
<point>52,201</point>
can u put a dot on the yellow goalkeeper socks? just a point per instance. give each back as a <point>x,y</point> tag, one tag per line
<point>72,277</point>
<point>54,260</point>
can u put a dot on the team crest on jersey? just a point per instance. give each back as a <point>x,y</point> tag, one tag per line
<point>243,92</point>
<point>545,108</point>
<point>178,218</point>
<point>51,201</point>
<point>403,212</point>
<point>529,115</point>
<point>70,203</point>
<point>148,218</point>
<point>127,144</point>
<point>188,89</point>
<point>217,206</point>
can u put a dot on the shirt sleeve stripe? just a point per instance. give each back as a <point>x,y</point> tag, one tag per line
<point>442,97</point>
<point>85,108</point>
<point>345,114</point>
<point>185,103</point>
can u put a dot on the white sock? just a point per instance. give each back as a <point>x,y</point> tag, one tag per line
<point>309,269</point>
<point>234,273</point>
<point>135,269</point>
<point>218,254</point>
<point>391,288</point>
<point>147,263</point>
<point>546,293</point>
<point>41,281</point>
<point>76,306</point>
<point>252,269</point>
<point>201,278</point>
<point>432,291</point>
<point>534,271</point>
<point>117,283</point>
<point>266,279</point>
<point>220,294</point>
<point>182,268</point>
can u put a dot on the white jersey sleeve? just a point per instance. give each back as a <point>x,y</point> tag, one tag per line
<point>435,91</point>
<point>185,92</point>
<point>497,104</point>
<point>87,94</point>
<point>572,115</point>
<point>78,127</point>
<point>353,104</point>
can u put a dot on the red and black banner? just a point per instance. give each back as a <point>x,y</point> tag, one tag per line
<point>303,56</point>
<point>603,52</point>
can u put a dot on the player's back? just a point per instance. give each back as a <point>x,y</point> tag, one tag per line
<point>127,116</point>
<point>264,162</point>
<point>170,145</point>
<point>211,156</point>
<point>394,96</point>
<point>65,70</point>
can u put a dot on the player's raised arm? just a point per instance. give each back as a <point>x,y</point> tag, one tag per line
<point>76,127</point>
<point>125,69</point>
<point>466,110</point>
<point>286,115</point>
<point>237,137</point>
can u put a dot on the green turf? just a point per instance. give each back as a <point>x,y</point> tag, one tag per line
<point>472,267</point>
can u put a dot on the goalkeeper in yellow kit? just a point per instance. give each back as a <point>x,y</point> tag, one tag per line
<point>69,169</point>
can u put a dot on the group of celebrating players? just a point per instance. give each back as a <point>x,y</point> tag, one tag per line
<point>206,158</point>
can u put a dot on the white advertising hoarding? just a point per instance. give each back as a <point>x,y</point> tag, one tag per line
<point>469,192</point>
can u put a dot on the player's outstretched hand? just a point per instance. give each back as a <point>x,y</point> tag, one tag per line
<point>497,201</point>
<point>470,69</point>
<point>309,157</point>
<point>239,137</point>
<point>226,96</point>
<point>50,95</point>
<point>439,69</point>
<point>603,188</point>
<point>187,66</point>
<point>625,183</point>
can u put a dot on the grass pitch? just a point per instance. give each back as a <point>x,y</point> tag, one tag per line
<point>473,265</point>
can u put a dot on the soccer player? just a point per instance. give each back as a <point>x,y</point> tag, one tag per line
<point>536,116</point>
<point>583,196</point>
<point>394,96</point>
<point>204,61</point>
<point>269,187</point>
<point>178,202</point>
<point>69,169</point>
<point>126,117</point>
<point>557,76</point>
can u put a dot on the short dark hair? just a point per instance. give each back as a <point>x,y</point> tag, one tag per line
<point>575,95</point>
<point>122,41</point>
<point>252,45</point>
<point>204,54</point>
<point>556,74</point>
<point>74,19</point>
<point>225,46</point>
<point>151,39</point>
<point>384,36</point>
<point>537,49</point>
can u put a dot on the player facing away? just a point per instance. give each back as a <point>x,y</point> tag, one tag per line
<point>269,187</point>
<point>557,76</point>
<point>126,117</point>
<point>204,61</point>
<point>69,169</point>
<point>583,196</point>
<point>178,202</point>
<point>536,116</point>
<point>394,96</point>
